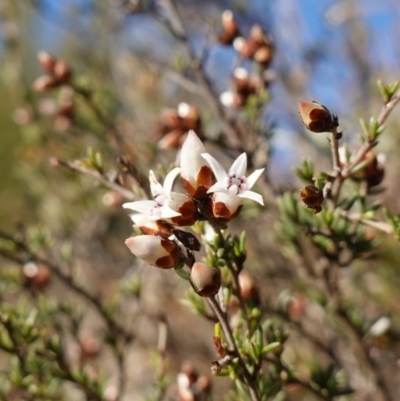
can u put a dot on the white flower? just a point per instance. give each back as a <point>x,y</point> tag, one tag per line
<point>196,175</point>
<point>234,183</point>
<point>162,207</point>
<point>156,251</point>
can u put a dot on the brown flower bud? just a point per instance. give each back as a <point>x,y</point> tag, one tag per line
<point>44,83</point>
<point>46,61</point>
<point>36,275</point>
<point>312,197</point>
<point>89,345</point>
<point>230,28</point>
<point>316,117</point>
<point>374,171</point>
<point>62,71</point>
<point>205,280</point>
<point>248,287</point>
<point>263,55</point>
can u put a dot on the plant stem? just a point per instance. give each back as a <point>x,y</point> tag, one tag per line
<point>249,380</point>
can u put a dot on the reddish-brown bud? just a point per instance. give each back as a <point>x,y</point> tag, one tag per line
<point>316,117</point>
<point>264,55</point>
<point>205,280</point>
<point>230,28</point>
<point>248,287</point>
<point>312,197</point>
<point>89,345</point>
<point>62,71</point>
<point>36,275</point>
<point>44,83</point>
<point>46,61</point>
<point>373,172</point>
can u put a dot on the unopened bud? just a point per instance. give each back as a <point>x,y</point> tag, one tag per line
<point>89,345</point>
<point>316,117</point>
<point>263,55</point>
<point>46,61</point>
<point>312,197</point>
<point>205,280</point>
<point>229,22</point>
<point>156,251</point>
<point>44,83</point>
<point>247,286</point>
<point>62,71</point>
<point>36,275</point>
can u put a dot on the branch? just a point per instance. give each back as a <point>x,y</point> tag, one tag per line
<point>232,345</point>
<point>75,166</point>
<point>112,325</point>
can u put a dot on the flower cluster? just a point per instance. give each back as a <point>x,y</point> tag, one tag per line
<point>211,194</point>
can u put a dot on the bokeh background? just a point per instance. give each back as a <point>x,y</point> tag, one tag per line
<point>329,51</point>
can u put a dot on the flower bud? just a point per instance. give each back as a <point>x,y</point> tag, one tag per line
<point>248,287</point>
<point>62,71</point>
<point>89,345</point>
<point>312,197</point>
<point>316,117</point>
<point>263,55</point>
<point>44,83</point>
<point>230,28</point>
<point>226,207</point>
<point>374,171</point>
<point>148,226</point>
<point>156,251</point>
<point>205,280</point>
<point>171,140</point>
<point>196,175</point>
<point>46,61</point>
<point>36,275</point>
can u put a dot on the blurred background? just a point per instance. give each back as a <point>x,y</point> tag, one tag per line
<point>120,51</point>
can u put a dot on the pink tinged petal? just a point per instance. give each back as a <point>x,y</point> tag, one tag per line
<point>169,181</point>
<point>239,165</point>
<point>233,189</point>
<point>253,196</point>
<point>191,161</point>
<point>155,186</point>
<point>144,207</point>
<point>217,187</point>
<point>253,177</point>
<point>216,167</point>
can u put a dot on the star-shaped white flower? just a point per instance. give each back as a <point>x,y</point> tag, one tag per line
<point>160,207</point>
<point>234,183</point>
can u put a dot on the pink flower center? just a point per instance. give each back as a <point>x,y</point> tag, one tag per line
<point>235,184</point>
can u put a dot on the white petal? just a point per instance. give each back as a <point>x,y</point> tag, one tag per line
<point>232,202</point>
<point>155,186</point>
<point>216,167</point>
<point>217,187</point>
<point>176,200</point>
<point>168,213</point>
<point>239,165</point>
<point>253,177</point>
<point>190,158</point>
<point>169,181</point>
<point>140,206</point>
<point>253,196</point>
<point>146,247</point>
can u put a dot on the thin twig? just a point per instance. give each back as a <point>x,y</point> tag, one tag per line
<point>232,344</point>
<point>113,326</point>
<point>177,28</point>
<point>296,380</point>
<point>75,166</point>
